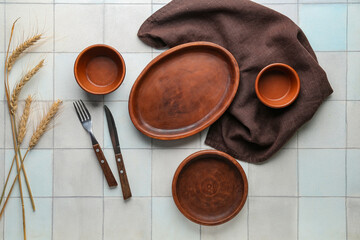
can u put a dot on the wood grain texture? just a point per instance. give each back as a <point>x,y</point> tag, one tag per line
<point>210,187</point>
<point>105,166</point>
<point>125,186</point>
<point>184,90</point>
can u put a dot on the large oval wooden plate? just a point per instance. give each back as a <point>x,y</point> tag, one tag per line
<point>183,90</point>
<point>209,187</point>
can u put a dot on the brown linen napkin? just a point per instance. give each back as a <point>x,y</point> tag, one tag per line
<point>256,36</point>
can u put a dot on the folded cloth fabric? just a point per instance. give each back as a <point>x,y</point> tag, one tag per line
<point>257,36</point>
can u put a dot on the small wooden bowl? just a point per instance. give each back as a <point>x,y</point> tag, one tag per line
<point>99,69</point>
<point>209,187</point>
<point>277,85</point>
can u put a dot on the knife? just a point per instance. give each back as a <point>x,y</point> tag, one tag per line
<point>125,187</point>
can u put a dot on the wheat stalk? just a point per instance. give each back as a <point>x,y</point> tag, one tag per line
<point>16,91</point>
<point>20,137</point>
<point>23,120</point>
<point>20,49</point>
<point>44,123</point>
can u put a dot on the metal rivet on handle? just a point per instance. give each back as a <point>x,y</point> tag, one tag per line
<point>119,160</point>
<point>102,161</point>
<point>121,171</point>
<point>97,150</point>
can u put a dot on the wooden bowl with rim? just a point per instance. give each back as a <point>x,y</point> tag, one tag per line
<point>99,69</point>
<point>210,187</point>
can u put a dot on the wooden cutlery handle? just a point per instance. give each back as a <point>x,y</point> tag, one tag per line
<point>125,187</point>
<point>105,166</point>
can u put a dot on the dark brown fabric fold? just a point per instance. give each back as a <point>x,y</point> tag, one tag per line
<point>256,36</point>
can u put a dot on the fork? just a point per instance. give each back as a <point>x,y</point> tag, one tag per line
<point>85,119</point>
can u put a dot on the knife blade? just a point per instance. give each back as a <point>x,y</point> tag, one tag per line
<point>125,187</point>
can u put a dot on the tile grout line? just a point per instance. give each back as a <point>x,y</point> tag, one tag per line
<point>53,130</point>
<point>346,109</point>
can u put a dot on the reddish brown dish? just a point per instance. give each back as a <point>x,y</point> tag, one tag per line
<point>99,69</point>
<point>184,90</point>
<point>277,85</point>
<point>210,187</point>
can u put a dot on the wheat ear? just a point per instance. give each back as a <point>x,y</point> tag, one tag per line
<point>44,123</point>
<point>20,49</point>
<point>20,137</point>
<point>23,120</point>
<point>16,91</point>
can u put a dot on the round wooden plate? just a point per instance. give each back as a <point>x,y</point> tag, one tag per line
<point>183,90</point>
<point>210,187</point>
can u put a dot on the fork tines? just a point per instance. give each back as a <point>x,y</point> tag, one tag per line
<point>81,111</point>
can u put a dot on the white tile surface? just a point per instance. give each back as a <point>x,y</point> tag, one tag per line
<point>353,218</point>
<point>322,172</point>
<point>189,142</point>
<point>78,26</point>
<point>353,76</point>
<point>353,176</point>
<point>117,26</point>
<point>272,218</point>
<point>277,177</point>
<point>322,218</point>
<point>77,173</point>
<point>2,31</point>
<point>275,1</point>
<point>321,1</point>
<point>353,127</point>
<point>2,59</point>
<point>164,165</point>
<point>70,134</point>
<point>161,1</point>
<point>130,220</point>
<point>3,107</point>
<point>77,218</point>
<point>353,30</point>
<point>135,63</point>
<point>289,10</point>
<point>79,1</point>
<point>35,19</point>
<point>169,223</point>
<point>66,87</point>
<point>234,229</point>
<point>334,64</point>
<point>2,228</point>
<point>317,134</point>
<point>31,1</point>
<point>129,136</point>
<point>2,171</point>
<point>35,162</point>
<point>138,168</point>
<point>38,223</point>
<point>127,1</point>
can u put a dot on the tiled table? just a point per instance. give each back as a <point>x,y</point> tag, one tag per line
<point>309,191</point>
